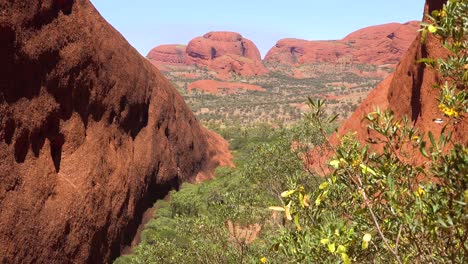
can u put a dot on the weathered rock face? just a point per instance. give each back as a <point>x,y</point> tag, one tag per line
<point>213,45</point>
<point>171,54</point>
<point>382,44</point>
<point>409,90</point>
<point>90,134</point>
<point>223,52</point>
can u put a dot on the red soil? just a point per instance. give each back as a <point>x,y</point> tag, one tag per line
<point>214,87</point>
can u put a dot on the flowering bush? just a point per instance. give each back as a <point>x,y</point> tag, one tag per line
<point>392,205</point>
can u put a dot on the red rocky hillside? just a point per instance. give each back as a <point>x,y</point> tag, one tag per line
<point>90,135</point>
<point>382,44</point>
<point>223,52</point>
<point>409,91</point>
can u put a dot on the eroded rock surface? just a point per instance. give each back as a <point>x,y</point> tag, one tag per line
<point>90,134</point>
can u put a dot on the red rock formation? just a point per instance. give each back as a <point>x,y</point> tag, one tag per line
<point>223,52</point>
<point>214,87</point>
<point>409,91</point>
<point>382,44</point>
<point>226,53</point>
<point>213,45</point>
<point>168,54</point>
<point>90,135</point>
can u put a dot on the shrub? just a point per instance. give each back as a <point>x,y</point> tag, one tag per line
<point>387,205</point>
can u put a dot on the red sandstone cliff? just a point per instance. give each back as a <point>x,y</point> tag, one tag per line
<point>382,44</point>
<point>90,134</point>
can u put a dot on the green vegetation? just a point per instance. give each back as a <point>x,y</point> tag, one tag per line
<point>381,206</point>
<point>283,100</point>
<point>405,203</point>
<point>388,205</point>
<point>451,25</point>
<point>227,220</point>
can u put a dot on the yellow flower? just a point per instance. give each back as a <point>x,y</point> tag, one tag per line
<point>356,162</point>
<point>420,191</point>
<point>451,112</point>
<point>263,260</point>
<point>415,137</point>
<point>442,13</point>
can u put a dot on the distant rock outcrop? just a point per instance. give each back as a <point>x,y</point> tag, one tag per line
<point>90,135</point>
<point>382,44</point>
<point>170,54</point>
<point>224,52</point>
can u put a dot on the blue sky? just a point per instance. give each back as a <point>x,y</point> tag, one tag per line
<point>149,23</point>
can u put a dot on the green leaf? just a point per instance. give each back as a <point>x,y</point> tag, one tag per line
<point>296,222</point>
<point>335,164</point>
<point>324,185</point>
<point>364,153</point>
<point>277,208</point>
<point>431,137</point>
<point>365,169</point>
<point>287,193</point>
<point>287,211</point>
<point>345,258</point>
<point>333,118</point>
<point>442,222</point>
<point>390,183</point>
<point>422,149</point>
<point>324,241</point>
<point>318,200</point>
<point>301,200</point>
<point>275,247</point>
<point>341,249</point>
<point>331,248</point>
<point>364,245</point>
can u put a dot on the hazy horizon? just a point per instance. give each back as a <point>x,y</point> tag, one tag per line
<point>152,23</point>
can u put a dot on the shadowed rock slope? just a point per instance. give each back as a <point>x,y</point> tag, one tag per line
<point>90,135</point>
